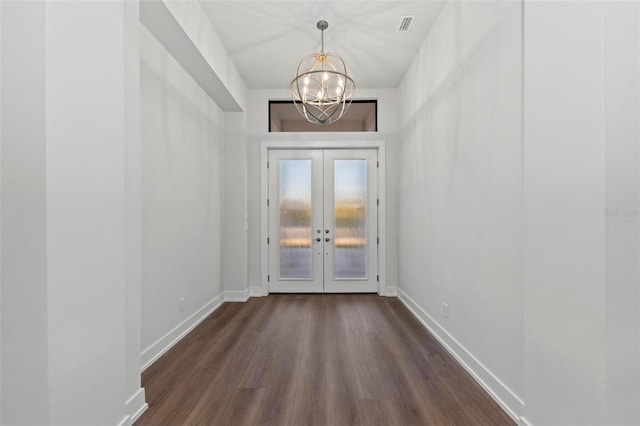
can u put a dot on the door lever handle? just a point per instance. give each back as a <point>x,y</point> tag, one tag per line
<point>327,239</point>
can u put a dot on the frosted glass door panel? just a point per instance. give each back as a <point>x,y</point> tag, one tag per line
<point>295,215</point>
<point>350,202</point>
<point>295,219</point>
<point>350,221</point>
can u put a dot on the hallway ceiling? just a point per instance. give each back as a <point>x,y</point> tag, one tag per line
<point>267,39</point>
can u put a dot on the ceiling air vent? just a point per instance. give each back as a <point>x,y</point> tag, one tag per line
<point>406,23</point>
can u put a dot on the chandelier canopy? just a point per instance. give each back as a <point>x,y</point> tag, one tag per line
<point>322,89</point>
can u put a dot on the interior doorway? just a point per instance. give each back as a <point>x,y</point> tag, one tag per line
<point>323,220</point>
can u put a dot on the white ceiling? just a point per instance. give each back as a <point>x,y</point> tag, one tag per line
<point>267,39</point>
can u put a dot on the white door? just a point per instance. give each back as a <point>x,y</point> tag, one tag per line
<point>323,221</point>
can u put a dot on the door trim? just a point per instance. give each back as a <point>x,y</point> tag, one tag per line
<point>265,146</point>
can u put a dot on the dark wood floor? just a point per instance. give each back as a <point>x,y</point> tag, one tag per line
<point>313,360</point>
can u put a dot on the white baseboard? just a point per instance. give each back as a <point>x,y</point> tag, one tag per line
<point>509,401</point>
<point>389,291</point>
<point>257,292</point>
<point>166,342</point>
<point>136,405</point>
<point>236,295</point>
<point>524,422</point>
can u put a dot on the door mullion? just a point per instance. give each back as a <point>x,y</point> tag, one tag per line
<point>329,226</point>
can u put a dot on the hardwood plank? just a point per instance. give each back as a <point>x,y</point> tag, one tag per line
<point>310,389</point>
<point>342,395</point>
<point>283,352</point>
<point>313,360</point>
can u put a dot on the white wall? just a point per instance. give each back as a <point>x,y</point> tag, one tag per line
<point>235,229</point>
<point>460,189</point>
<point>581,186</point>
<point>136,403</point>
<point>71,195</point>
<point>182,173</point>
<point>258,131</point>
<point>85,212</point>
<point>24,368</point>
<point>622,136</point>
<point>0,217</point>
<point>65,89</point>
<point>519,202</point>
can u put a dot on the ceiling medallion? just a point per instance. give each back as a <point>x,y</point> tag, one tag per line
<point>322,89</point>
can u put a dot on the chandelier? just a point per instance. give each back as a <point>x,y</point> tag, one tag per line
<point>322,89</point>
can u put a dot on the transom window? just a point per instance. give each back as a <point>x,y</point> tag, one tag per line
<point>362,116</point>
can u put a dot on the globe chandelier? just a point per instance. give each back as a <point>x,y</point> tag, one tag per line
<point>322,89</point>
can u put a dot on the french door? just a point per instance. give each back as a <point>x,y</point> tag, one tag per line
<point>323,221</point>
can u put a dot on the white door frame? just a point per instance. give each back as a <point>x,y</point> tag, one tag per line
<point>265,146</point>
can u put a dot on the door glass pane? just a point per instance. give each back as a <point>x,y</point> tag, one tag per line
<point>350,219</point>
<point>295,219</point>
